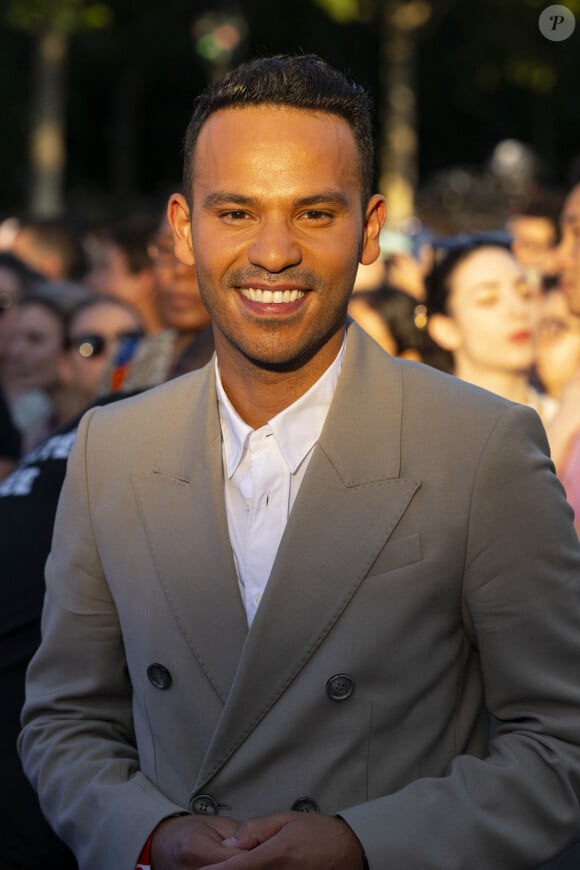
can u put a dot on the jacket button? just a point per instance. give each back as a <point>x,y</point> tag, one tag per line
<point>159,676</point>
<point>340,687</point>
<point>305,805</point>
<point>203,805</point>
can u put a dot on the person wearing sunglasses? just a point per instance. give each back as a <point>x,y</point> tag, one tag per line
<point>100,330</point>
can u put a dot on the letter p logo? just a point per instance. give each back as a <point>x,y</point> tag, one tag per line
<point>557,23</point>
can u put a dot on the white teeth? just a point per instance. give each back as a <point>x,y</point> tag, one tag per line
<point>255,294</point>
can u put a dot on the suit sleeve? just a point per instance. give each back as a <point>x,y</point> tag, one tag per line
<point>519,806</point>
<point>77,744</point>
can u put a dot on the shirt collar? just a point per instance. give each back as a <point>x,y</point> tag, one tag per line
<point>296,429</point>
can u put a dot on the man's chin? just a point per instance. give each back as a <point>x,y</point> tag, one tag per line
<point>280,365</point>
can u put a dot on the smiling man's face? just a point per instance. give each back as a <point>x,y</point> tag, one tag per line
<point>276,233</point>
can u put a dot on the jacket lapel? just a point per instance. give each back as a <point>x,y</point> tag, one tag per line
<point>349,503</point>
<point>181,503</point>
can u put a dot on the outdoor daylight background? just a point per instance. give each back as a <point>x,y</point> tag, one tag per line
<point>477,112</point>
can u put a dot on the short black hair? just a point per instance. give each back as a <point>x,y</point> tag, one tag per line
<point>295,81</point>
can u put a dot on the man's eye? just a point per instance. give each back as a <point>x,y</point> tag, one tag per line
<point>315,214</point>
<point>235,215</point>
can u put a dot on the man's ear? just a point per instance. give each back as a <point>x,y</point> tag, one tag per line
<point>178,215</point>
<point>375,217</point>
<point>444,332</point>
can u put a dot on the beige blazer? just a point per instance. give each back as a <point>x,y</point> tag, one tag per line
<point>429,572</point>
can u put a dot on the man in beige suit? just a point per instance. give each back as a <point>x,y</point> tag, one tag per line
<point>287,593</point>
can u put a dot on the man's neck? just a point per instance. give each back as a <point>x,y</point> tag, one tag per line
<point>258,394</point>
<point>263,395</point>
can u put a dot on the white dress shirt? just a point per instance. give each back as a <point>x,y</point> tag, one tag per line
<point>263,471</point>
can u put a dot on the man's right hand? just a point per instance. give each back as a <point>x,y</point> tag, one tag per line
<point>190,842</point>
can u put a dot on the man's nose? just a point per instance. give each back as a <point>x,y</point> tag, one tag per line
<point>274,247</point>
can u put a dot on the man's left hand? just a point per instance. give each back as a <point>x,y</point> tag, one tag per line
<point>296,841</point>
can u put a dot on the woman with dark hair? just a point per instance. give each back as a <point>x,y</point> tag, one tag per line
<point>484,312</point>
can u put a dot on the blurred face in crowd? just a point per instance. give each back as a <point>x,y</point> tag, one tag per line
<point>492,314</point>
<point>276,232</point>
<point>573,289</point>
<point>178,298</point>
<point>9,297</point>
<point>95,333</point>
<point>36,350</point>
<point>558,352</point>
<point>115,276</point>
<point>570,217</point>
<point>569,248</point>
<point>533,240</point>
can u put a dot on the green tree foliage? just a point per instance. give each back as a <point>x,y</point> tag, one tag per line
<point>65,16</point>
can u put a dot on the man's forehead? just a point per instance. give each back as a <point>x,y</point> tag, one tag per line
<point>274,120</point>
<point>273,116</point>
<point>284,139</point>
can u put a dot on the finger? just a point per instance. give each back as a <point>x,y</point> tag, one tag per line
<point>256,831</point>
<point>255,859</point>
<point>197,841</point>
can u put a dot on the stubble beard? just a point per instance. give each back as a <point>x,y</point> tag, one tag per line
<point>267,353</point>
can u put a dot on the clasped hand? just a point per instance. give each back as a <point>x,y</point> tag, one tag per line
<point>285,840</point>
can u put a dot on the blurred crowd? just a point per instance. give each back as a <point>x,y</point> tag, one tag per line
<point>89,317</point>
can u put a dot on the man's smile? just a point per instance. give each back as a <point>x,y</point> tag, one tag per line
<point>266,297</point>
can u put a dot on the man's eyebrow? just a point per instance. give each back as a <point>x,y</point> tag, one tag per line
<point>221,198</point>
<point>330,197</point>
<point>224,198</point>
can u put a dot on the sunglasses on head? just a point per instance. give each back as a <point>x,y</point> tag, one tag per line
<point>93,345</point>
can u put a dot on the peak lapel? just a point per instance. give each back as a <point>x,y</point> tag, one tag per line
<point>349,503</point>
<point>181,503</point>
